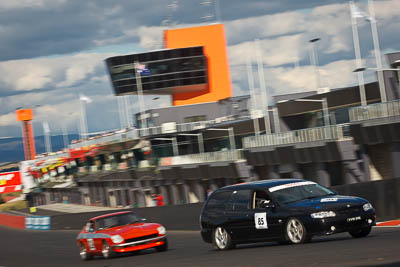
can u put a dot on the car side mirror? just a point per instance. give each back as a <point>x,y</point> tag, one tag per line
<point>267,204</point>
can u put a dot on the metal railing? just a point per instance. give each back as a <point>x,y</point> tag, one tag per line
<point>231,155</point>
<point>110,138</point>
<point>332,132</point>
<point>123,135</point>
<point>375,111</point>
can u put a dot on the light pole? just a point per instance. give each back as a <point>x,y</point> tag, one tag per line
<point>231,135</point>
<point>200,140</point>
<point>264,96</point>
<point>254,109</point>
<point>383,93</point>
<point>140,93</point>
<point>84,127</point>
<point>314,58</point>
<point>356,41</point>
<point>65,136</point>
<point>276,119</point>
<point>377,49</point>
<point>397,62</point>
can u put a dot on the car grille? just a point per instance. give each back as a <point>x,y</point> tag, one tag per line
<point>349,211</point>
<point>145,237</point>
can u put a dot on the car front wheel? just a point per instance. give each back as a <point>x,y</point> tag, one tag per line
<point>295,231</point>
<point>85,255</point>
<point>221,239</point>
<point>107,251</point>
<point>362,232</point>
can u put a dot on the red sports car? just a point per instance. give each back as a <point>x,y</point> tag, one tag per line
<point>120,232</point>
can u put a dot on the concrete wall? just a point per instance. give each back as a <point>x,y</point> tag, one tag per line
<point>384,195</point>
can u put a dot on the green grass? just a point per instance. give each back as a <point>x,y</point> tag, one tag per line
<point>15,205</point>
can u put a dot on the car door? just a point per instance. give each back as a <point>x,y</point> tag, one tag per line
<point>268,220</point>
<point>239,215</point>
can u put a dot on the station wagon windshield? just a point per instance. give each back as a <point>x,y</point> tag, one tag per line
<point>293,193</point>
<point>117,220</point>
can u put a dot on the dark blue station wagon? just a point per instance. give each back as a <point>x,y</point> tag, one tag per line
<point>283,210</point>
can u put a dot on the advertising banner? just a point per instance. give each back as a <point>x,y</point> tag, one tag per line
<point>10,182</point>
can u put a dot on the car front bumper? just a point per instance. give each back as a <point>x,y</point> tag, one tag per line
<point>140,245</point>
<point>340,224</point>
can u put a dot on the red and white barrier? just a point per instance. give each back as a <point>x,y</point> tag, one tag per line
<point>12,221</point>
<point>393,223</point>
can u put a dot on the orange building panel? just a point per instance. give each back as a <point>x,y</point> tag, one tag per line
<point>212,38</point>
<point>24,114</point>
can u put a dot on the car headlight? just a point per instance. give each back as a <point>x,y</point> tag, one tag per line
<point>161,230</point>
<point>323,214</point>
<point>116,239</point>
<point>367,206</point>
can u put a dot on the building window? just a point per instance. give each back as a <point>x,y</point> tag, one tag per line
<point>195,118</point>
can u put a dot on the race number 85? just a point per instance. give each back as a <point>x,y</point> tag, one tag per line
<point>260,220</point>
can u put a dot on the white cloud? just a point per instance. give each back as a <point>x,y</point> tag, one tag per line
<point>66,71</point>
<point>19,4</point>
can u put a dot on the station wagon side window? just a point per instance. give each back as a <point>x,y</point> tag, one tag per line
<point>240,200</point>
<point>218,201</point>
<point>260,197</point>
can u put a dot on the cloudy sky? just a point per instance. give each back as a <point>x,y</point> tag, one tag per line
<point>54,50</point>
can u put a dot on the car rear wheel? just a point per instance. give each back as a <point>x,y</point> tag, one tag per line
<point>362,232</point>
<point>107,251</point>
<point>221,239</point>
<point>85,255</point>
<point>295,231</point>
<point>163,247</point>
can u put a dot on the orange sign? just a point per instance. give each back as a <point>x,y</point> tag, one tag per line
<point>212,38</point>
<point>24,114</point>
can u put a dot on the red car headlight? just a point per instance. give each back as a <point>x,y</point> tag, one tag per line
<point>116,239</point>
<point>161,230</point>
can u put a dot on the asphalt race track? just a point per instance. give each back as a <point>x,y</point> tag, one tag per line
<point>19,248</point>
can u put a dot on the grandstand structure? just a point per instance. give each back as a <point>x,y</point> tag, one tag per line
<point>208,138</point>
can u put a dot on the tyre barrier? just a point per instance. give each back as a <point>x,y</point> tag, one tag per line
<point>26,222</point>
<point>38,222</point>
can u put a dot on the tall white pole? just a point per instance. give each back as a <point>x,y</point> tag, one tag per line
<point>315,63</point>
<point>127,112</point>
<point>201,142</point>
<point>232,138</point>
<point>175,146</point>
<point>356,41</point>
<point>325,111</point>
<point>140,94</point>
<point>82,120</point>
<point>263,88</point>
<point>47,140</point>
<point>121,115</point>
<point>252,96</point>
<point>276,120</point>
<point>85,127</point>
<point>65,136</point>
<point>217,11</point>
<point>377,50</point>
